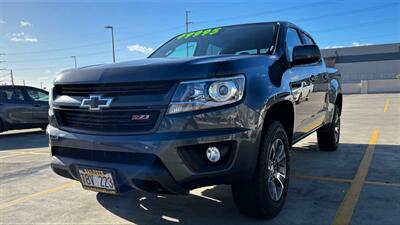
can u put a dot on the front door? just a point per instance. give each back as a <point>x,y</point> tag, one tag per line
<point>305,84</point>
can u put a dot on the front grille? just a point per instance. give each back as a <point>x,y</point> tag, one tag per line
<point>106,156</point>
<point>116,89</point>
<point>106,121</point>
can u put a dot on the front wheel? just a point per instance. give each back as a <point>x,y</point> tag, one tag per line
<point>265,193</point>
<point>328,136</point>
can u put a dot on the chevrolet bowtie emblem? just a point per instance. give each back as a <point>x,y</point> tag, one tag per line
<point>96,102</point>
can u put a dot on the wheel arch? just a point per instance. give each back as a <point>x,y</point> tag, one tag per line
<point>282,111</point>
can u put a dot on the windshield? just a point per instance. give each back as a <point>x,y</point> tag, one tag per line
<point>249,39</point>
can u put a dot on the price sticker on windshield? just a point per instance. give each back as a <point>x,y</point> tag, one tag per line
<point>200,33</point>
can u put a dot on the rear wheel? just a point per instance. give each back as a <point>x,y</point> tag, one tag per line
<point>329,135</point>
<point>265,193</point>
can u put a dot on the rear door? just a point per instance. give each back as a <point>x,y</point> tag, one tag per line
<point>40,105</point>
<point>17,107</point>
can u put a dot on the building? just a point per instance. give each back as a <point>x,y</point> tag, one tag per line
<point>367,69</point>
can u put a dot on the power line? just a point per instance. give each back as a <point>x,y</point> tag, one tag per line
<point>354,26</point>
<point>339,41</point>
<point>303,19</point>
<point>352,12</point>
<point>79,55</point>
<point>92,44</point>
<point>351,26</point>
<point>262,13</point>
<point>367,37</point>
<point>209,21</point>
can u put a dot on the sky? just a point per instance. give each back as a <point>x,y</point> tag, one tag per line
<point>38,38</point>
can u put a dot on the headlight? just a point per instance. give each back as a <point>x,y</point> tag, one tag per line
<point>203,94</point>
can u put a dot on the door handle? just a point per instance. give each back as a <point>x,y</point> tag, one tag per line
<point>36,105</point>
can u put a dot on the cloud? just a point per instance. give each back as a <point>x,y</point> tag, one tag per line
<point>25,24</point>
<point>354,44</point>
<point>140,48</point>
<point>357,44</point>
<point>334,46</point>
<point>22,37</point>
<point>2,21</point>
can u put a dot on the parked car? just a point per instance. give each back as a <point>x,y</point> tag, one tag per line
<point>23,107</point>
<point>214,106</point>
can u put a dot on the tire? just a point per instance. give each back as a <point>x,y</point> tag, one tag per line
<point>256,197</point>
<point>329,135</point>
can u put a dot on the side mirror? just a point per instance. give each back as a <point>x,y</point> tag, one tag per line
<point>306,54</point>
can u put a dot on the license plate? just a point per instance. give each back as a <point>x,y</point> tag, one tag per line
<point>97,180</point>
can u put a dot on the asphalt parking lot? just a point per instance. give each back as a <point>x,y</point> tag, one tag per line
<point>357,184</point>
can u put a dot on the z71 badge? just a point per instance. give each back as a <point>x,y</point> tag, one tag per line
<point>138,117</point>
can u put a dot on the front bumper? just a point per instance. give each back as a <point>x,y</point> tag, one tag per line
<point>172,159</point>
<point>166,169</point>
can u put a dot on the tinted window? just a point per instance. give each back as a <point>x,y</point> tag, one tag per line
<point>12,95</point>
<point>308,40</point>
<point>245,39</point>
<point>183,50</point>
<point>213,50</point>
<point>38,95</point>
<point>292,40</point>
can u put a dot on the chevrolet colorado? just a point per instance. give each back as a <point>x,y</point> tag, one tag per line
<point>215,106</point>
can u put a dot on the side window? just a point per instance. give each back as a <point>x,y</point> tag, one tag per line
<point>292,40</point>
<point>12,95</point>
<point>183,50</point>
<point>308,40</point>
<point>38,95</point>
<point>213,50</point>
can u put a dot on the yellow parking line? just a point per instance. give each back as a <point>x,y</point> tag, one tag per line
<point>38,153</point>
<point>38,194</point>
<point>386,107</point>
<point>345,211</point>
<point>24,153</point>
<point>383,183</point>
<point>334,179</point>
<point>19,151</point>
<point>12,155</point>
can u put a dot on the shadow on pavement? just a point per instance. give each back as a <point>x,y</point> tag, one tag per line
<point>144,208</point>
<point>309,201</point>
<point>23,140</point>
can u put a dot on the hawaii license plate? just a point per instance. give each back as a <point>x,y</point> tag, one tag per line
<point>97,180</point>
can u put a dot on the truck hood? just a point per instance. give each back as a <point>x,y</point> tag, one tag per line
<point>159,69</point>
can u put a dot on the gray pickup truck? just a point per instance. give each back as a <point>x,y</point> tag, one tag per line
<point>23,107</point>
<point>215,106</point>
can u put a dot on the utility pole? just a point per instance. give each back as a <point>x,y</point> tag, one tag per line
<point>12,77</point>
<point>187,30</point>
<point>23,82</point>
<point>74,57</point>
<point>41,85</point>
<point>187,21</point>
<point>112,40</point>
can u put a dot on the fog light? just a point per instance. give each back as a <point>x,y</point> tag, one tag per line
<point>213,154</point>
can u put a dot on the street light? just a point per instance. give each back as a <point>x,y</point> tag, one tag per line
<point>112,39</point>
<point>74,57</point>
